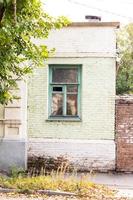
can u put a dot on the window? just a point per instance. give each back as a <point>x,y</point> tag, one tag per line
<point>64,91</point>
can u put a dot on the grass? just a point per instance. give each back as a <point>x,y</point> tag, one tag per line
<point>57,182</point>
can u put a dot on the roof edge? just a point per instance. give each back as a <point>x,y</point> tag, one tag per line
<point>95,24</point>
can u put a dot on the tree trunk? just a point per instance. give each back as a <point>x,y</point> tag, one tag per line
<point>2,10</point>
<point>14,2</point>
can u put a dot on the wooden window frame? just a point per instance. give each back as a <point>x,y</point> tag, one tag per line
<point>64,92</point>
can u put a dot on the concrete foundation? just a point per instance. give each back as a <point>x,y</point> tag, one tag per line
<point>13,154</point>
<point>13,131</point>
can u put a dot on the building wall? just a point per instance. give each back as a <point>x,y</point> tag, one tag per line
<point>13,131</point>
<point>89,142</point>
<point>97,102</point>
<point>82,40</point>
<point>124,133</point>
<point>82,155</point>
<point>97,120</point>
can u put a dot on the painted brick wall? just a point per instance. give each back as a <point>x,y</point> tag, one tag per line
<point>83,155</point>
<point>97,105</point>
<point>124,133</point>
<point>88,143</point>
<point>83,40</point>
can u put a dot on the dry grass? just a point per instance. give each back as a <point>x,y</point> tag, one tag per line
<point>58,182</point>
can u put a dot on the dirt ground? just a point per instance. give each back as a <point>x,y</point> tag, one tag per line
<point>33,197</point>
<point>13,196</point>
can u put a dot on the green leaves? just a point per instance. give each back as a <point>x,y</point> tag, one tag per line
<point>124,82</point>
<point>19,54</point>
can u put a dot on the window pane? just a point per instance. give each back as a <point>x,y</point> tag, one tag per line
<point>57,104</point>
<point>72,104</point>
<point>57,89</point>
<point>65,75</point>
<point>72,88</point>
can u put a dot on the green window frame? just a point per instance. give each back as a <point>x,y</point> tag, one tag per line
<point>64,96</point>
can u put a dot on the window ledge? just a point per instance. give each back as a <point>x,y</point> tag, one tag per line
<point>66,119</point>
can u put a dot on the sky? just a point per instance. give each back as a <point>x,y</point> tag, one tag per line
<point>109,10</point>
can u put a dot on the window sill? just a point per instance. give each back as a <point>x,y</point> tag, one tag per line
<point>64,119</point>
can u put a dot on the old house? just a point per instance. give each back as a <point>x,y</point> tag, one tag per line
<point>71,102</point>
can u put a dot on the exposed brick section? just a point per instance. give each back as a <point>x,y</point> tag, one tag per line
<point>124,133</point>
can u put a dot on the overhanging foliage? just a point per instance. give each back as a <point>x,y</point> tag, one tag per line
<point>124,82</point>
<point>19,55</point>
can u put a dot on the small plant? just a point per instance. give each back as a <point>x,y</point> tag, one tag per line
<point>17,172</point>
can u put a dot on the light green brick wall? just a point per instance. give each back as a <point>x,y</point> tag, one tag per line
<point>97,105</point>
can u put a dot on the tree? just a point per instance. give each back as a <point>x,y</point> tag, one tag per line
<point>22,21</point>
<point>124,82</point>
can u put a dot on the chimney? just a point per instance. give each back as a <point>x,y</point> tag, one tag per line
<point>93,18</point>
